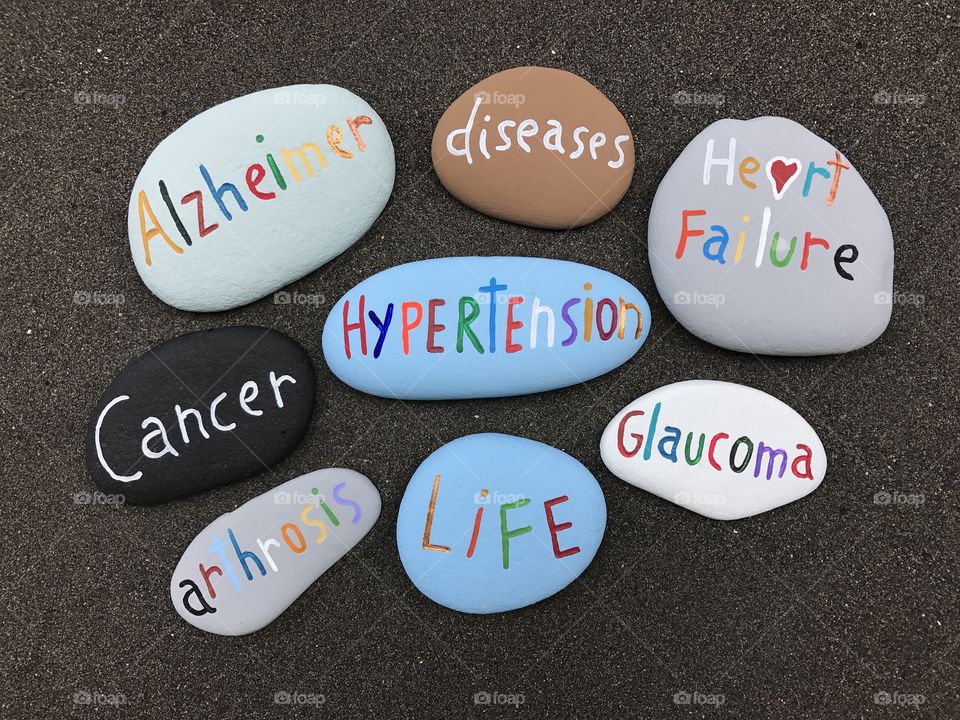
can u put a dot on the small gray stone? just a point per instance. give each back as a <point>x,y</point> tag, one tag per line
<point>248,566</point>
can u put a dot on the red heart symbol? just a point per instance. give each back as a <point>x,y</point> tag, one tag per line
<point>782,172</point>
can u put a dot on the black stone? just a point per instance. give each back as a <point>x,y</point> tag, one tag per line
<point>192,371</point>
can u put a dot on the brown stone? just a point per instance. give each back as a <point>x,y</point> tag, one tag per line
<point>560,182</point>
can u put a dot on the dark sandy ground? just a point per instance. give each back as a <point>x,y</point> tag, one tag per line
<point>807,611</point>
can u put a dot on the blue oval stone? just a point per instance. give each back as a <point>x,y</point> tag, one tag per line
<point>466,327</point>
<point>494,522</point>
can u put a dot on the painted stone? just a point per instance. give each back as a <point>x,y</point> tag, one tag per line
<point>467,327</point>
<point>492,522</point>
<point>198,411</point>
<point>248,566</point>
<point>763,238</point>
<point>723,450</point>
<point>535,146</point>
<point>257,192</point>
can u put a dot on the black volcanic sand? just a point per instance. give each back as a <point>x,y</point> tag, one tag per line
<point>807,611</point>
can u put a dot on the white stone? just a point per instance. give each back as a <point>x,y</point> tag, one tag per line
<point>651,442</point>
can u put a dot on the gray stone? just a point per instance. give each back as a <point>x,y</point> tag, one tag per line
<point>245,568</point>
<point>763,238</point>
